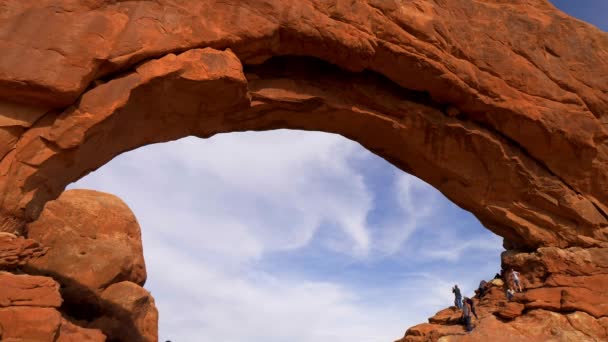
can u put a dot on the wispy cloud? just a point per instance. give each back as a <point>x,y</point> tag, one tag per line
<point>212,212</point>
<point>454,249</point>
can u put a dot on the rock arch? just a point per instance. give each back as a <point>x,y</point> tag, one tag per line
<point>486,100</point>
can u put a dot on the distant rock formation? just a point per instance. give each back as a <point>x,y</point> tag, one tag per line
<point>500,105</point>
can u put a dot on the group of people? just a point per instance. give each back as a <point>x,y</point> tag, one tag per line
<point>511,281</point>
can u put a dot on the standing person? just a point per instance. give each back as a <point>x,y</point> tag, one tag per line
<point>466,314</point>
<point>515,276</point>
<point>457,297</point>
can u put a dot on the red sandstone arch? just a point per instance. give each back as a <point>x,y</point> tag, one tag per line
<point>513,129</point>
<point>502,106</point>
<point>204,91</point>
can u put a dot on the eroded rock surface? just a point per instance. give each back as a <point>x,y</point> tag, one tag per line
<point>26,290</point>
<point>16,251</point>
<point>485,100</point>
<point>94,241</point>
<point>445,105</point>
<point>571,309</point>
<point>129,313</point>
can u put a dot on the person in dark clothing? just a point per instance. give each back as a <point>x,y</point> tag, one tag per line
<point>482,288</point>
<point>497,276</point>
<point>457,297</point>
<point>466,314</point>
<point>472,305</point>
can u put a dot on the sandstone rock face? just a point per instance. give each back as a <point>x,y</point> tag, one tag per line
<point>130,314</point>
<point>485,100</point>
<point>29,324</point>
<point>94,241</point>
<point>26,290</point>
<point>36,324</point>
<point>17,251</point>
<point>69,332</point>
<point>501,320</point>
<point>441,100</point>
<point>28,312</point>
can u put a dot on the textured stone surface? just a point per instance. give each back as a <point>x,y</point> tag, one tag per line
<point>72,333</point>
<point>543,313</point>
<point>442,101</point>
<point>16,251</point>
<point>29,324</point>
<point>502,106</point>
<point>563,279</point>
<point>33,324</point>
<point>26,290</point>
<point>130,314</point>
<point>94,241</point>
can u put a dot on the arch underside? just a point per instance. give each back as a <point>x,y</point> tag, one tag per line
<point>500,115</point>
<point>203,92</point>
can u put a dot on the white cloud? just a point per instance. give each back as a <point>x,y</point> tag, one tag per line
<point>417,202</point>
<point>454,249</point>
<point>211,210</point>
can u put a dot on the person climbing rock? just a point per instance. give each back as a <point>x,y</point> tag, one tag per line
<point>457,297</point>
<point>466,314</point>
<point>472,306</point>
<point>510,294</point>
<point>516,281</point>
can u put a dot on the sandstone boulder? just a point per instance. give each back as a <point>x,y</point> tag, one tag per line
<point>129,314</point>
<point>94,241</point>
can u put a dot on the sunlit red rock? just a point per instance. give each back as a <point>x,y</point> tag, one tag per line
<point>27,290</point>
<point>129,313</point>
<point>15,251</point>
<point>485,100</point>
<point>94,241</point>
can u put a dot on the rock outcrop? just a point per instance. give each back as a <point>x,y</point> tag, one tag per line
<point>95,252</point>
<point>564,299</point>
<point>94,241</point>
<point>90,243</point>
<point>129,313</point>
<point>485,100</point>
<point>502,320</point>
<point>29,312</point>
<point>16,251</point>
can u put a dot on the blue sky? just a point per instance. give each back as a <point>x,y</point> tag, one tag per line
<point>299,236</point>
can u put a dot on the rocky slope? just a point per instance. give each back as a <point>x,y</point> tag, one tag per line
<point>501,105</point>
<point>554,306</point>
